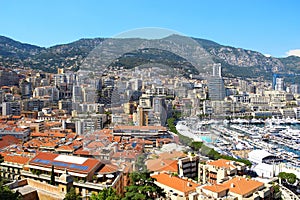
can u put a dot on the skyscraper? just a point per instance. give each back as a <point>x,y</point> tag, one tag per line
<point>216,89</point>
<point>279,84</point>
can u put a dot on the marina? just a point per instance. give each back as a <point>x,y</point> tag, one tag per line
<point>280,138</point>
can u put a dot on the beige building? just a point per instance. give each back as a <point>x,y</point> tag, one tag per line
<point>218,171</point>
<point>176,188</point>
<point>237,188</point>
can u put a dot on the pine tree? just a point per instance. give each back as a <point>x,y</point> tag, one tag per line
<point>52,181</point>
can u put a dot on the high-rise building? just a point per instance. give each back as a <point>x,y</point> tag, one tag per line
<point>11,108</point>
<point>26,89</point>
<point>50,91</point>
<point>279,84</point>
<point>77,94</point>
<point>160,108</point>
<point>33,104</point>
<point>295,89</point>
<point>216,89</point>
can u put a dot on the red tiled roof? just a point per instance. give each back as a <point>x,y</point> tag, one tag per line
<point>46,159</point>
<point>108,168</point>
<point>15,159</point>
<point>8,140</point>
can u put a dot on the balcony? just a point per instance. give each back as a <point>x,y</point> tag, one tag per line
<point>186,165</point>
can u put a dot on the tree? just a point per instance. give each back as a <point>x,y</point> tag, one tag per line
<point>106,194</point>
<point>140,163</point>
<point>71,195</point>
<point>52,181</point>
<point>5,192</point>
<point>289,177</point>
<point>142,187</point>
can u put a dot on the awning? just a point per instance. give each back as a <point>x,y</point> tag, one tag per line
<point>109,175</point>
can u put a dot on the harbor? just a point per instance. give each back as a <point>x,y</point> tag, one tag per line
<point>279,138</point>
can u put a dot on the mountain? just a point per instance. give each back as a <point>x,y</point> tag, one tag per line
<point>236,62</point>
<point>292,63</point>
<point>13,49</point>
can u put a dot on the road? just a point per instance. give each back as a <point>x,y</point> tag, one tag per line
<point>287,194</point>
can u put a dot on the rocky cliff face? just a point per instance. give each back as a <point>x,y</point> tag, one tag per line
<point>246,58</point>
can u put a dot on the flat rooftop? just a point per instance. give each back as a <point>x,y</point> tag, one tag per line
<point>62,162</point>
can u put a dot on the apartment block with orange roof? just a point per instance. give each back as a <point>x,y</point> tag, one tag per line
<point>21,133</point>
<point>33,124</point>
<point>12,165</point>
<point>89,174</point>
<point>237,188</point>
<point>176,187</point>
<point>218,171</point>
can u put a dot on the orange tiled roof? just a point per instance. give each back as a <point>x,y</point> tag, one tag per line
<point>49,144</point>
<point>117,138</point>
<point>38,134</point>
<point>95,144</point>
<point>8,140</point>
<point>175,182</point>
<point>77,143</point>
<point>55,134</point>
<point>80,151</point>
<point>172,155</point>
<point>159,165</point>
<point>71,135</point>
<point>17,117</point>
<point>48,160</point>
<point>108,168</point>
<point>242,186</point>
<point>15,159</point>
<point>65,148</point>
<point>223,163</point>
<point>215,188</point>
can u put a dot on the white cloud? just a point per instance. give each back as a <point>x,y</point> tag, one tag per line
<point>293,52</point>
<point>268,55</point>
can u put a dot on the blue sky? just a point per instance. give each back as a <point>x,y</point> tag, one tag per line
<point>269,26</point>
